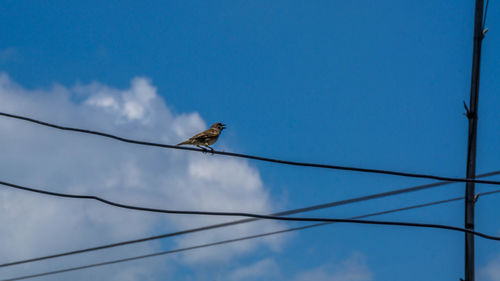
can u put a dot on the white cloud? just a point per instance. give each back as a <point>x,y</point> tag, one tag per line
<point>69,162</point>
<point>132,104</point>
<point>353,268</point>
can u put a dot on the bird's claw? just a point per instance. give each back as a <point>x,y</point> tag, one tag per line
<point>211,150</point>
<point>207,149</point>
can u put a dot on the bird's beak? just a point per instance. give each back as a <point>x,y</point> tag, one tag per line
<point>223,126</point>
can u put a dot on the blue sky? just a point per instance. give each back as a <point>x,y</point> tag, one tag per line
<point>376,84</point>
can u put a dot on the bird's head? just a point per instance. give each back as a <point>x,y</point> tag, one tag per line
<point>219,126</point>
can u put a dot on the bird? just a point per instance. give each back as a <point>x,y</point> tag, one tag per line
<point>207,137</point>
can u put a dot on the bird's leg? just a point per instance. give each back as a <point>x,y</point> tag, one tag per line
<point>202,148</point>
<point>211,149</point>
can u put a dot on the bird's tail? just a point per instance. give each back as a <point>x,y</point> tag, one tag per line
<point>184,142</point>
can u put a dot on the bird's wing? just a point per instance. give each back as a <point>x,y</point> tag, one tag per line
<point>210,133</point>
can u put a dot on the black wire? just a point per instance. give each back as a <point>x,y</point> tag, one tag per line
<point>242,214</point>
<point>272,160</point>
<point>289,212</point>
<point>485,13</point>
<point>147,256</point>
<point>236,239</point>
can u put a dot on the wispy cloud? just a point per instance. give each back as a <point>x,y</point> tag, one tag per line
<point>8,54</point>
<point>353,268</point>
<point>491,271</point>
<point>266,269</point>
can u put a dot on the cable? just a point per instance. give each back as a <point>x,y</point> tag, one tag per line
<point>166,211</point>
<point>485,14</point>
<point>236,239</point>
<point>289,212</point>
<point>242,214</point>
<point>239,155</point>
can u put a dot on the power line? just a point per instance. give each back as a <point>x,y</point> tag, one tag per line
<point>289,212</point>
<point>485,14</point>
<point>249,215</point>
<point>253,157</point>
<point>236,239</point>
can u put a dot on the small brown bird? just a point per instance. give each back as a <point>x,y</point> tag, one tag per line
<point>207,137</point>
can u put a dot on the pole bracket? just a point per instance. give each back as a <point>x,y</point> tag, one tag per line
<point>484,31</point>
<point>476,197</point>
<point>469,114</point>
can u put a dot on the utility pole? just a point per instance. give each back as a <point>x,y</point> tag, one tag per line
<point>472,140</point>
